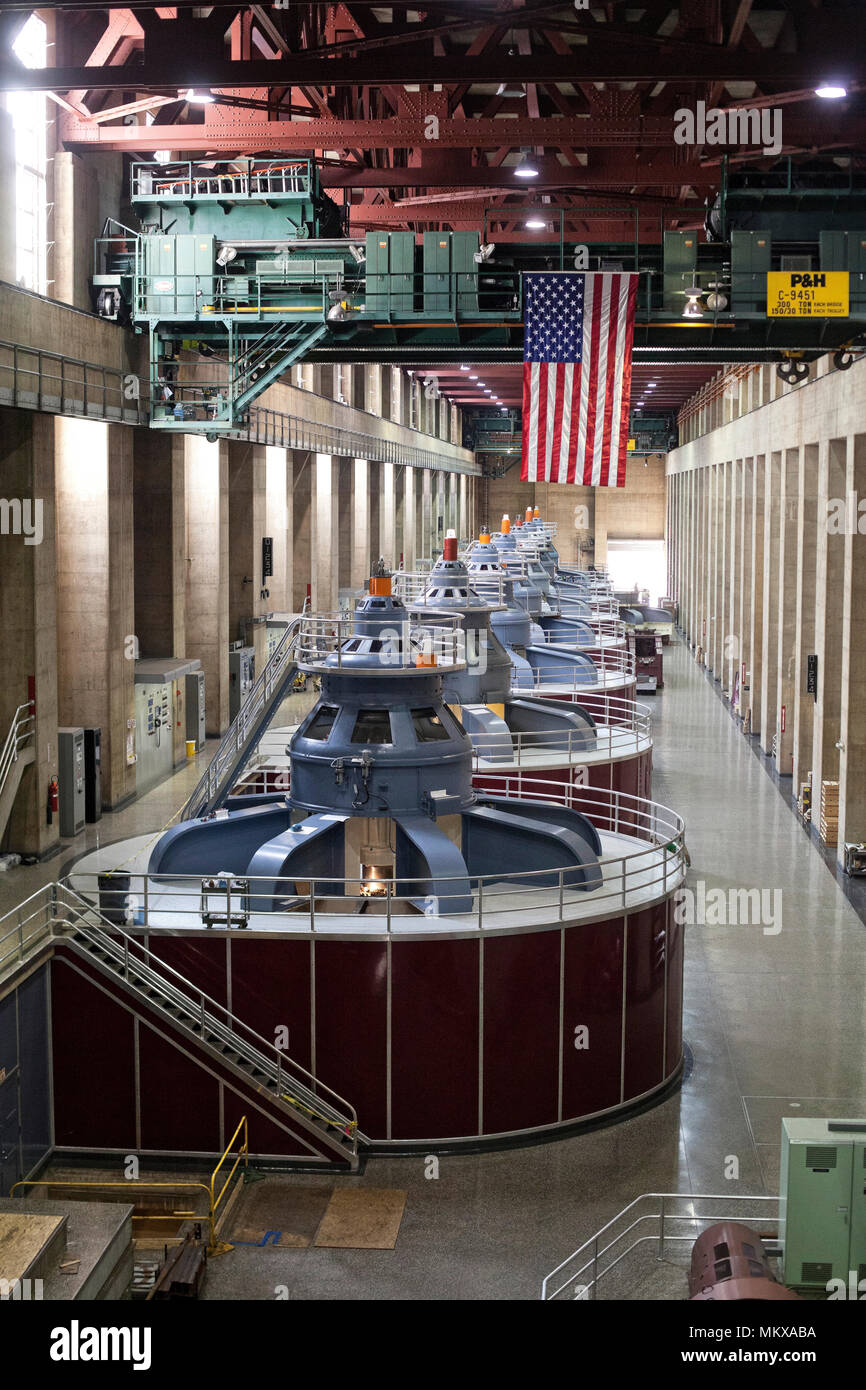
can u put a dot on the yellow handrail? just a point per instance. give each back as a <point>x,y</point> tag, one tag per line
<point>215,1247</point>
<point>243,1151</point>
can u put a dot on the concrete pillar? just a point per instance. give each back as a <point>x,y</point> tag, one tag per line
<point>426,539</point>
<point>829,578</point>
<point>95,605</point>
<point>159,543</point>
<point>756,650</point>
<point>807,559</point>
<point>206,471</point>
<point>86,191</point>
<point>409,518</point>
<point>7,200</point>
<point>360,571</point>
<point>717,643</point>
<point>747,593</point>
<point>374,509</point>
<point>451,520</point>
<point>439,508</point>
<point>735,558</point>
<point>247,516</point>
<point>344,539</point>
<point>278,506</point>
<point>28,619</point>
<point>388,517</point>
<point>300,469</point>
<point>852,756</point>
<point>789,509</point>
<point>770,628</point>
<point>324,549</point>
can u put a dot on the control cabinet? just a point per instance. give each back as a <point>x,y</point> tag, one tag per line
<point>154,734</point>
<point>195,708</point>
<point>241,677</point>
<point>751,259</point>
<point>92,775</point>
<point>822,1189</point>
<point>71,779</point>
<point>680,268</point>
<point>390,272</point>
<point>450,272</point>
<point>847,251</point>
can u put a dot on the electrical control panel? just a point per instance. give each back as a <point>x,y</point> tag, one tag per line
<point>822,1201</point>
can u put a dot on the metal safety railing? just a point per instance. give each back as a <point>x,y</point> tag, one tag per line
<point>621,728</point>
<point>651,1218</point>
<point>246,726</point>
<point>647,860</point>
<point>185,179</point>
<point>19,736</point>
<point>333,642</point>
<point>62,913</point>
<point>412,585</point>
<point>34,379</point>
<point>133,1185</point>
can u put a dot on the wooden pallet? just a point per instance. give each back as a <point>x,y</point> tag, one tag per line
<point>830,812</point>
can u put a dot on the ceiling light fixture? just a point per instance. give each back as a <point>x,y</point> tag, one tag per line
<point>831,91</point>
<point>199,96</point>
<point>526,169</point>
<point>535,224</point>
<point>694,309</point>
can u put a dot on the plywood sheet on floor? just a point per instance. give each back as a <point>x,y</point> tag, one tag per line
<point>22,1241</point>
<point>280,1213</point>
<point>362,1218</point>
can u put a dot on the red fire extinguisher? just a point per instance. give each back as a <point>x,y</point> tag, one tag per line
<point>53,798</point>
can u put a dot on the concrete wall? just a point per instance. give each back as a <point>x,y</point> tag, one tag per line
<point>583,514</point>
<point>767,558</point>
<point>147,539</point>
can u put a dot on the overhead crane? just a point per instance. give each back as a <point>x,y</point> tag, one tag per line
<point>239,269</point>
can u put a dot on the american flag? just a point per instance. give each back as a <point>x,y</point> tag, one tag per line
<point>577,376</point>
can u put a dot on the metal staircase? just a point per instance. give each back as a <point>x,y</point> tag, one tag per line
<point>242,736</point>
<point>18,753</point>
<point>326,1123</point>
<point>268,357</point>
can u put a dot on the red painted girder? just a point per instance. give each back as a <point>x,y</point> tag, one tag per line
<point>233,129</point>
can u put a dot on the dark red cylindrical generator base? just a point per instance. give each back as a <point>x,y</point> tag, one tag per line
<point>572,1021</point>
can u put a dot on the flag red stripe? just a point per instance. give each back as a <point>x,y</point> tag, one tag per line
<point>556,446</point>
<point>610,381</point>
<point>626,384</point>
<point>575,422</point>
<point>594,340</point>
<point>527,406</point>
<point>541,436</point>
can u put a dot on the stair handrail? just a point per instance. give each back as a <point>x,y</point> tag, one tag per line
<point>236,737</point>
<point>259,350</point>
<point>204,1009</point>
<point>15,739</point>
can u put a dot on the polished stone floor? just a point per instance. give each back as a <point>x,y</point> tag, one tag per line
<point>775,1020</point>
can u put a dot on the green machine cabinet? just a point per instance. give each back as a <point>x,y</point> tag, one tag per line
<point>451,272</point>
<point>390,272</point>
<point>847,251</point>
<point>822,1190</point>
<point>680,267</point>
<point>178,274</point>
<point>751,259</point>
